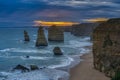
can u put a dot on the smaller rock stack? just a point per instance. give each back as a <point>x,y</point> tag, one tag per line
<point>21,67</point>
<point>55,34</point>
<point>57,51</point>
<point>26,36</point>
<point>34,67</point>
<point>41,40</point>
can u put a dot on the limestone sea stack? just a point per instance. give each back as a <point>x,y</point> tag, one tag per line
<point>57,51</point>
<point>106,47</point>
<point>26,36</point>
<point>55,34</point>
<point>41,40</point>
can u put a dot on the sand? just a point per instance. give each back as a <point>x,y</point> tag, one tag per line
<point>85,70</point>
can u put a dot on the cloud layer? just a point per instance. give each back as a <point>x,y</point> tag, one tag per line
<point>24,12</point>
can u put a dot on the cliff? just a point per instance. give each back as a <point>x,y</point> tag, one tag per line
<point>83,29</point>
<point>106,47</point>
<point>41,40</point>
<point>55,34</point>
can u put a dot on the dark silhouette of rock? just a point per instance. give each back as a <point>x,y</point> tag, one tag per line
<point>83,29</point>
<point>34,67</point>
<point>26,36</point>
<point>57,51</point>
<point>55,34</point>
<point>41,40</point>
<point>27,56</point>
<point>21,67</point>
<point>106,47</point>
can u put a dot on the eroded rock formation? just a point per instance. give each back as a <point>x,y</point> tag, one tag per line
<point>21,67</point>
<point>106,47</point>
<point>83,29</point>
<point>57,51</point>
<point>34,67</point>
<point>41,40</point>
<point>26,36</point>
<point>55,34</point>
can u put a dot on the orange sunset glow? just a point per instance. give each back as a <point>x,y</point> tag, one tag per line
<point>45,23</point>
<point>96,20</point>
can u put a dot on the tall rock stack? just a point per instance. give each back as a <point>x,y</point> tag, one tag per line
<point>106,47</point>
<point>41,40</point>
<point>26,36</point>
<point>55,34</point>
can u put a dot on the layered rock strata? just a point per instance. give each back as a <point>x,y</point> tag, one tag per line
<point>41,40</point>
<point>55,34</point>
<point>106,47</point>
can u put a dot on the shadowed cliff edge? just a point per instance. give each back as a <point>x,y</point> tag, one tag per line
<point>106,47</point>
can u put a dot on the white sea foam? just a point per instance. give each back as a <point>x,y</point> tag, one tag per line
<point>44,74</point>
<point>64,62</point>
<point>30,57</point>
<point>4,74</point>
<point>6,50</point>
<point>34,75</point>
<point>36,58</point>
<point>34,35</point>
<point>84,50</point>
<point>25,50</point>
<point>75,44</point>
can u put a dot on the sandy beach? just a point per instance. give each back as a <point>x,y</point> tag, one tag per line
<point>85,70</point>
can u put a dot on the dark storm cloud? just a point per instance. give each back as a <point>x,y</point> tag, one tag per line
<point>24,12</point>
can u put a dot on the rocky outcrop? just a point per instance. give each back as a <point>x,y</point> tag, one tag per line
<point>21,67</point>
<point>41,40</point>
<point>26,36</point>
<point>57,51</point>
<point>106,47</point>
<point>55,34</point>
<point>34,67</point>
<point>83,29</point>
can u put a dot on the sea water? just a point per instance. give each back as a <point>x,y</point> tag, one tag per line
<point>13,51</point>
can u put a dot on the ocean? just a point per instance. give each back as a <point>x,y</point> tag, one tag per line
<point>13,51</point>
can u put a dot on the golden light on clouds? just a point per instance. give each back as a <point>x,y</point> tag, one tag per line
<point>96,20</point>
<point>45,23</point>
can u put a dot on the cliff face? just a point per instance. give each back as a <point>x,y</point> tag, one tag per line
<point>106,47</point>
<point>84,29</point>
<point>55,34</point>
<point>41,40</point>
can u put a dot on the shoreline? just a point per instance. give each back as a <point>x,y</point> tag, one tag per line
<point>77,59</point>
<point>85,70</point>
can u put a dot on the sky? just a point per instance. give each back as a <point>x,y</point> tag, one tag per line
<point>19,13</point>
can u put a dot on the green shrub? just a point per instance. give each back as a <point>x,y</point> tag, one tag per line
<point>117,76</point>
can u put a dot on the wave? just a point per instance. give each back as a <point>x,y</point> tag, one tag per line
<point>75,44</point>
<point>64,62</point>
<point>36,58</point>
<point>25,58</point>
<point>44,74</point>
<point>25,50</point>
